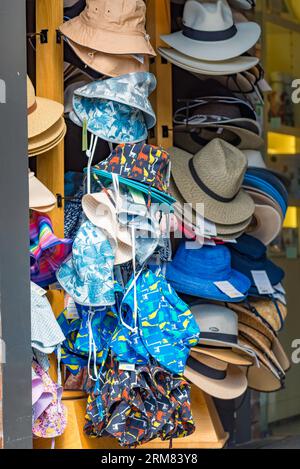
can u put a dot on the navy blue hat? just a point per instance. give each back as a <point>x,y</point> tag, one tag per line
<point>251,254</point>
<point>195,271</point>
<point>254,182</point>
<point>270,177</point>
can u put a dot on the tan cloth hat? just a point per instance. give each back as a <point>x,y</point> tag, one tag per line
<point>111,65</point>
<point>215,377</point>
<point>224,355</point>
<point>42,113</point>
<point>40,198</point>
<point>214,176</point>
<point>114,27</point>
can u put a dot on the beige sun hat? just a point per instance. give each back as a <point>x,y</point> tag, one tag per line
<point>40,198</point>
<point>111,65</point>
<point>224,355</point>
<point>261,198</point>
<point>48,139</point>
<point>266,224</point>
<point>116,27</point>
<point>214,176</point>
<point>215,377</point>
<point>42,113</point>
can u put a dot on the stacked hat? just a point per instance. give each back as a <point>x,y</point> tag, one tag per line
<point>46,125</point>
<point>109,38</point>
<point>40,198</point>
<point>211,42</point>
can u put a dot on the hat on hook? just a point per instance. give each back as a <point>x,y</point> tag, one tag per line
<point>103,22</point>
<point>209,32</point>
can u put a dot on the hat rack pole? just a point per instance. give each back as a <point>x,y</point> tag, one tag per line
<point>209,430</point>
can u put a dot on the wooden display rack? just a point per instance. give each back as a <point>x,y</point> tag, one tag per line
<point>50,170</point>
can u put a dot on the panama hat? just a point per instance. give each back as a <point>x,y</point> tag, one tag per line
<point>204,67</point>
<point>42,113</point>
<point>215,377</point>
<point>102,23</point>
<point>111,65</point>
<point>266,224</point>
<point>40,198</point>
<point>214,177</point>
<point>48,139</point>
<point>224,355</point>
<point>209,32</point>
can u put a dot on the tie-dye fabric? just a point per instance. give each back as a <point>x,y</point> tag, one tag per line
<point>47,252</point>
<point>88,275</point>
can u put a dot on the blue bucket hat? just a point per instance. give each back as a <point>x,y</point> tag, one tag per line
<point>195,271</point>
<point>250,254</point>
<point>88,275</point>
<point>260,184</point>
<point>117,109</point>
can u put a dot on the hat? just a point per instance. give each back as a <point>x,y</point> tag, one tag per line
<point>227,355</point>
<point>69,91</point>
<point>215,377</point>
<point>261,198</point>
<point>209,32</point>
<point>209,265</point>
<point>256,160</point>
<point>47,252</point>
<point>73,8</point>
<point>266,224</point>
<point>249,254</point>
<point>265,187</point>
<point>42,113</point>
<point>235,135</point>
<point>101,25</point>
<point>48,139</point>
<point>88,275</point>
<point>270,178</point>
<point>242,4</point>
<point>272,312</point>
<point>111,65</point>
<point>72,61</point>
<point>214,177</point>
<point>203,67</point>
<point>40,198</point>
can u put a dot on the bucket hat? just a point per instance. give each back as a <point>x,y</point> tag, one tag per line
<point>209,265</point>
<point>214,177</point>
<point>204,67</point>
<point>249,254</point>
<point>101,25</point>
<point>88,275</point>
<point>209,32</point>
<point>47,252</point>
<point>216,378</point>
<point>40,198</point>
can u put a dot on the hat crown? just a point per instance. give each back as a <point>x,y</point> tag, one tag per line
<point>221,167</point>
<point>123,15</point>
<point>215,319</point>
<point>207,16</point>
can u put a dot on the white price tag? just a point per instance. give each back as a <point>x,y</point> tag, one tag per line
<point>71,310</point>
<point>38,290</point>
<point>262,282</point>
<point>280,289</point>
<point>127,366</point>
<point>228,289</point>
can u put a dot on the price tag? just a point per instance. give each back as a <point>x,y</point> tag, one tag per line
<point>71,310</point>
<point>262,282</point>
<point>280,289</point>
<point>38,290</point>
<point>127,366</point>
<point>228,289</point>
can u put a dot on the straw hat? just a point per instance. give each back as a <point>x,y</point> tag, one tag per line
<point>224,355</point>
<point>215,377</point>
<point>48,139</point>
<point>42,113</point>
<point>273,313</point>
<point>214,177</point>
<point>116,27</point>
<point>40,198</point>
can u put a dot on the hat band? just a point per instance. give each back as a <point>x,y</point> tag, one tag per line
<point>32,108</point>
<point>209,36</point>
<point>205,370</point>
<point>206,189</point>
<point>229,338</point>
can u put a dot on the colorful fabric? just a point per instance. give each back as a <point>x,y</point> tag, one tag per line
<point>47,252</point>
<point>147,164</point>
<point>88,275</point>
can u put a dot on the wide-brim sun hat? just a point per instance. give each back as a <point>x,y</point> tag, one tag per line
<point>42,113</point>
<point>266,224</point>
<point>48,139</point>
<point>50,146</point>
<point>261,198</point>
<point>210,34</point>
<point>235,135</point>
<point>257,183</point>
<point>110,65</point>
<point>224,355</point>
<point>114,28</point>
<point>226,67</point>
<point>41,198</point>
<point>214,177</point>
<point>216,378</point>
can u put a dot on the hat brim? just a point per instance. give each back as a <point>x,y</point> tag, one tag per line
<point>247,35</point>
<point>225,355</point>
<point>237,136</point>
<point>239,210</point>
<point>39,195</point>
<point>44,148</point>
<point>265,187</point>
<point>261,198</point>
<point>47,137</point>
<point>46,114</point>
<point>226,67</point>
<point>104,40</point>
<point>267,226</point>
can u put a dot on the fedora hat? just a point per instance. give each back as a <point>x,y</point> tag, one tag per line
<point>42,113</point>
<point>266,224</point>
<point>229,356</point>
<point>215,377</point>
<point>40,198</point>
<point>103,22</point>
<point>204,67</point>
<point>209,32</point>
<point>214,177</point>
<point>111,65</point>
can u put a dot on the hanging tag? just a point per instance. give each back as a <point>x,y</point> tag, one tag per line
<point>262,282</point>
<point>84,135</point>
<point>280,289</point>
<point>71,310</point>
<point>280,297</point>
<point>228,289</point>
<point>38,290</point>
<point>127,366</point>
